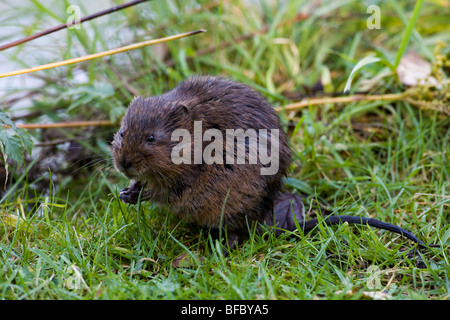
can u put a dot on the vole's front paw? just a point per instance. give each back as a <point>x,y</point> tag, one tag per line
<point>134,193</point>
<point>129,195</point>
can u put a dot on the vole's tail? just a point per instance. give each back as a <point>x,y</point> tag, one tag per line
<point>309,225</point>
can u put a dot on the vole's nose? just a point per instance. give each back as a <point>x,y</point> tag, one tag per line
<point>125,163</point>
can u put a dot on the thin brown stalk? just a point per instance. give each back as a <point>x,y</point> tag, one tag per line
<point>66,25</point>
<point>56,142</point>
<point>69,124</point>
<point>123,81</point>
<point>311,102</point>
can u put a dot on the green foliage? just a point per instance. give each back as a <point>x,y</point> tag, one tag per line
<point>99,95</point>
<point>14,142</point>
<point>74,239</point>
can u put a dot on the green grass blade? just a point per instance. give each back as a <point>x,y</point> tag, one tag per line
<point>408,31</point>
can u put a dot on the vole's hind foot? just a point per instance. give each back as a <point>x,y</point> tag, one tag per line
<point>288,208</point>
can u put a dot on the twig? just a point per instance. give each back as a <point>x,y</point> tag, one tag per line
<point>65,25</point>
<point>123,81</point>
<point>354,98</point>
<point>101,54</point>
<point>70,124</point>
<point>59,141</point>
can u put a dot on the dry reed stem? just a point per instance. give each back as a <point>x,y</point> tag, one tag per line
<point>101,54</point>
<point>311,102</point>
<point>69,124</point>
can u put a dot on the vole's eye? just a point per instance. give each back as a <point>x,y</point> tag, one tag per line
<point>150,138</point>
<point>122,133</point>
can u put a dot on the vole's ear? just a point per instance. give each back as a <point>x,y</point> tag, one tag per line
<point>182,108</point>
<point>178,113</point>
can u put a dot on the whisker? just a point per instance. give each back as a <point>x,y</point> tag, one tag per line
<point>89,164</point>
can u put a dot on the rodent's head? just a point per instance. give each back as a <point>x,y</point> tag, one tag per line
<point>142,147</point>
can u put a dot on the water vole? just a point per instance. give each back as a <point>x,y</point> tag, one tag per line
<point>222,193</point>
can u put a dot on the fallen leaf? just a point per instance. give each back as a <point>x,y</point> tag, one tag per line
<point>413,70</point>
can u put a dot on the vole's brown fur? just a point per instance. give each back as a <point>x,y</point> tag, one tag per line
<point>209,195</point>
